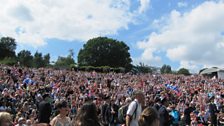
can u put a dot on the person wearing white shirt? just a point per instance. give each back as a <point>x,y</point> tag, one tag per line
<point>135,109</point>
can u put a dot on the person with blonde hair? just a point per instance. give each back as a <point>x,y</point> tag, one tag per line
<point>5,119</point>
<point>149,117</point>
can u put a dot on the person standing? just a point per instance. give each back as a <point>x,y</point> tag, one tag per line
<point>163,113</point>
<point>44,109</point>
<point>213,111</point>
<point>113,112</point>
<point>149,117</point>
<point>87,116</point>
<point>187,112</point>
<point>21,122</point>
<point>157,104</point>
<point>135,109</point>
<point>105,111</point>
<point>175,115</point>
<point>61,119</point>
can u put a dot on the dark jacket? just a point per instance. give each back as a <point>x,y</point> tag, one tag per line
<point>105,117</point>
<point>164,116</point>
<point>156,107</point>
<point>213,111</point>
<point>187,116</point>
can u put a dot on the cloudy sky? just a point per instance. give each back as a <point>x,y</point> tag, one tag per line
<point>181,33</point>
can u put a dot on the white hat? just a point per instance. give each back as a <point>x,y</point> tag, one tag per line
<point>20,119</point>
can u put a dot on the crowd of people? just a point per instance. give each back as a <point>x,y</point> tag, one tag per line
<point>45,96</point>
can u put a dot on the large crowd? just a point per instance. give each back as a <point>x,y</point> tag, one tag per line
<point>46,96</point>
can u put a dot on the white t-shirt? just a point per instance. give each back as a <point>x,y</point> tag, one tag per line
<point>131,110</point>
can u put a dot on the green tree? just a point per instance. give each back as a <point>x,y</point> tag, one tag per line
<point>64,62</point>
<point>103,51</point>
<point>46,60</point>
<point>7,47</point>
<point>166,69</point>
<point>71,53</point>
<point>25,58</point>
<point>142,68</point>
<point>38,60</point>
<point>183,71</point>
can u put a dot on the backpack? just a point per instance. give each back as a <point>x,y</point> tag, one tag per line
<point>164,116</point>
<point>176,116</point>
<point>122,112</point>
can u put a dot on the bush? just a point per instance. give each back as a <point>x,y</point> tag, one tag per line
<point>103,69</point>
<point>183,71</point>
<point>9,61</point>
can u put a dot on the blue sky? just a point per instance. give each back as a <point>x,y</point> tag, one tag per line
<point>181,33</point>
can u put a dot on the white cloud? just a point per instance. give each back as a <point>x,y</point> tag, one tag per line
<point>193,38</point>
<point>182,4</point>
<point>33,21</point>
<point>148,56</point>
<point>144,4</point>
<point>194,68</point>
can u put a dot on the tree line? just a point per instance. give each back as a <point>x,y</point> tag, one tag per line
<point>98,53</point>
<point>24,58</point>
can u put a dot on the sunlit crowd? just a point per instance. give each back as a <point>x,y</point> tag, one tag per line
<point>50,97</point>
